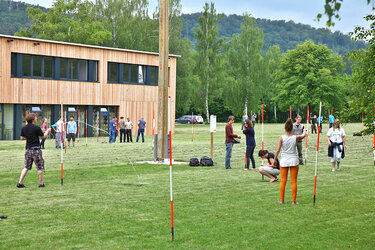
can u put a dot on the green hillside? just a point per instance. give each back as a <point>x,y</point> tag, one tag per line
<point>285,34</point>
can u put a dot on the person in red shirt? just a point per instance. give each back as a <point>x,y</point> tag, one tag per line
<point>229,140</point>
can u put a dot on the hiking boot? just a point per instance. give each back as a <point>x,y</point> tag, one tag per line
<point>19,185</point>
<point>41,185</point>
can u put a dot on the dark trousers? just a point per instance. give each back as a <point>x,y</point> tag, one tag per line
<point>141,132</point>
<point>313,128</point>
<point>129,135</point>
<point>250,156</point>
<point>42,143</point>
<point>330,125</point>
<point>122,133</point>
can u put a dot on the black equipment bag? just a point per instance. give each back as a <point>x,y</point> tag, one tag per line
<point>206,161</point>
<point>194,162</point>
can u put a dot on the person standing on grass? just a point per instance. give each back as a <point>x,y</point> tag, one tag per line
<point>289,159</point>
<point>320,123</point>
<point>253,118</point>
<point>331,120</point>
<point>141,129</point>
<point>229,140</point>
<point>336,138</point>
<point>269,170</point>
<point>250,144</point>
<point>33,153</point>
<point>44,129</point>
<point>129,126</point>
<point>112,130</point>
<point>298,130</point>
<point>121,124</point>
<point>244,117</point>
<point>313,125</point>
<point>71,131</point>
<point>60,131</point>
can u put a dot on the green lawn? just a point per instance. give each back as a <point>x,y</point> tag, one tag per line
<point>107,203</point>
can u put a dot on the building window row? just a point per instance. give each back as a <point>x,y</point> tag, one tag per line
<point>132,74</point>
<point>56,68</point>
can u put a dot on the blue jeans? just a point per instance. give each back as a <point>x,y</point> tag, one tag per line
<point>112,136</point>
<point>58,136</point>
<point>228,155</point>
<point>141,131</point>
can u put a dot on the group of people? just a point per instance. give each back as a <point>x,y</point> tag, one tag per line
<point>124,129</point>
<point>290,146</point>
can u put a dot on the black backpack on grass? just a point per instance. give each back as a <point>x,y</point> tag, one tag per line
<point>206,161</point>
<point>194,162</point>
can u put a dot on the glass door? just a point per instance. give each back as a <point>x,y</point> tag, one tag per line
<point>104,121</point>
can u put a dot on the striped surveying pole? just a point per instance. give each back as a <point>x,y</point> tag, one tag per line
<point>317,150</point>
<point>262,129</point>
<point>290,112</point>
<point>170,163</point>
<point>192,126</point>
<point>65,139</point>
<point>86,127</point>
<point>62,146</point>
<point>307,127</point>
<point>78,126</point>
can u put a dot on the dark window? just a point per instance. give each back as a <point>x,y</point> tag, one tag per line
<point>113,72</point>
<point>14,64</point>
<point>48,67</point>
<point>95,72</point>
<point>134,73</point>
<point>82,65</point>
<point>126,73</point>
<point>26,65</point>
<point>64,68</point>
<point>73,69</point>
<point>37,66</point>
<point>153,74</point>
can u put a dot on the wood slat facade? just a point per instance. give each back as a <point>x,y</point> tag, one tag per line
<point>134,101</point>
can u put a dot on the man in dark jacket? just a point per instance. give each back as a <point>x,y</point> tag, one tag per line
<point>229,140</point>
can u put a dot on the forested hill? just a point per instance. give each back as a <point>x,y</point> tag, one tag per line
<point>286,34</point>
<point>13,16</point>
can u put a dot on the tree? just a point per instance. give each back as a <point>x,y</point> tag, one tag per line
<point>208,49</point>
<point>245,66</point>
<point>308,74</point>
<point>68,21</point>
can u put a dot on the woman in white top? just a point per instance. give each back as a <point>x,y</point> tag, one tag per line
<point>289,159</point>
<point>336,140</point>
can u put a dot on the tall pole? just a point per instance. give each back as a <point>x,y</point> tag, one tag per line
<point>86,127</point>
<point>170,163</point>
<point>262,128</point>
<point>290,112</point>
<point>317,150</point>
<point>163,77</point>
<point>307,127</point>
<point>362,120</point>
<point>62,145</point>
<point>78,125</point>
<point>192,126</point>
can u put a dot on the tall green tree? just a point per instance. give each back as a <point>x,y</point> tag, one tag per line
<point>68,21</point>
<point>245,65</point>
<point>208,48</point>
<point>308,74</point>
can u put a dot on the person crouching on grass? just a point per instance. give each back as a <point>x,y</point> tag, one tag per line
<point>229,140</point>
<point>289,159</point>
<point>336,139</point>
<point>269,170</point>
<point>33,153</point>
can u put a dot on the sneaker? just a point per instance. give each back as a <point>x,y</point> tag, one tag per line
<point>41,185</point>
<point>333,170</point>
<point>253,169</point>
<point>245,169</point>
<point>301,163</point>
<point>229,168</point>
<point>282,202</point>
<point>19,185</point>
<point>295,203</point>
<point>273,180</point>
<point>338,168</point>
<point>2,217</point>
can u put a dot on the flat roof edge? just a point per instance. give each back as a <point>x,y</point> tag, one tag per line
<point>83,45</point>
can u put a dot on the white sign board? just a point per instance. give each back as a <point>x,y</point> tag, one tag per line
<point>213,123</point>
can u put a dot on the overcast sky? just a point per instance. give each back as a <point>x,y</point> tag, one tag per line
<point>300,11</point>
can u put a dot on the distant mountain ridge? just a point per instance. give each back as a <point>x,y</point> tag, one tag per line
<point>286,34</point>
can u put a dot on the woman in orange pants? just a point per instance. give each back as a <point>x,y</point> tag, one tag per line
<point>289,159</point>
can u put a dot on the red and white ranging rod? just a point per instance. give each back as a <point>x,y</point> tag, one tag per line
<point>62,146</point>
<point>192,126</point>
<point>317,150</point>
<point>290,112</point>
<point>307,127</point>
<point>170,163</point>
<point>262,129</point>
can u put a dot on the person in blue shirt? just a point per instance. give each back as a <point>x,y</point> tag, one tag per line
<point>320,122</point>
<point>71,131</point>
<point>331,120</point>
<point>112,130</point>
<point>141,129</point>
<point>250,144</point>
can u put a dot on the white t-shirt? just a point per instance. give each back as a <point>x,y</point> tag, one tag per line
<point>336,135</point>
<point>128,125</point>
<point>289,157</point>
<point>58,126</point>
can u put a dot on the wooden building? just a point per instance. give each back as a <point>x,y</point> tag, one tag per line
<point>38,75</point>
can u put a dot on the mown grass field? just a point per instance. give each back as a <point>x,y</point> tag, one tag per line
<point>108,203</point>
